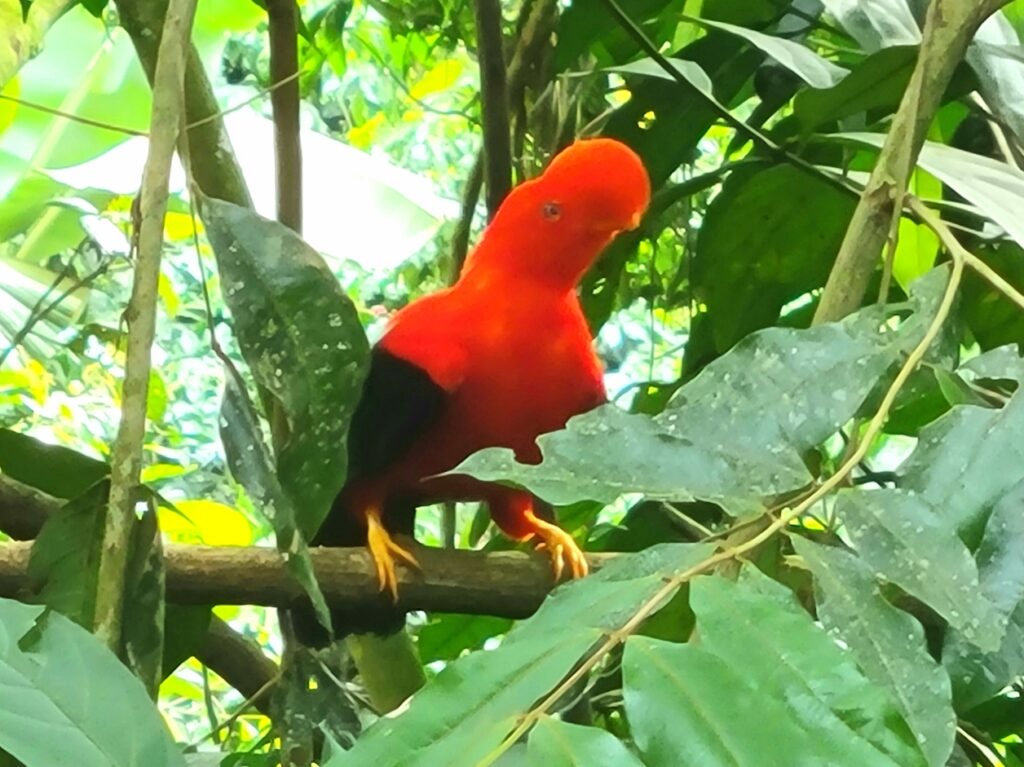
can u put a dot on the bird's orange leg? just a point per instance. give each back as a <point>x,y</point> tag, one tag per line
<point>513,512</point>
<point>384,552</point>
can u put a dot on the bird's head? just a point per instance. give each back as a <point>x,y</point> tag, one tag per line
<point>555,225</point>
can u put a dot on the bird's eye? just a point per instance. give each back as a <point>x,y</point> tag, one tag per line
<point>552,211</point>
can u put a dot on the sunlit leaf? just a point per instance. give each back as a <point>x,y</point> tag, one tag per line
<point>554,743</point>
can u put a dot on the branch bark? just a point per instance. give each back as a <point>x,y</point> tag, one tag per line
<point>23,39</point>
<point>284,61</point>
<point>509,584</point>
<point>948,29</point>
<point>126,459</point>
<point>494,104</point>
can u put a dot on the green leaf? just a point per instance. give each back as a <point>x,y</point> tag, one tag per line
<point>967,460</point>
<point>302,338</point>
<point>877,23</point>
<point>709,704</point>
<point>877,82</point>
<point>554,743</point>
<point>1003,362</point>
<point>816,71</point>
<point>906,542</point>
<point>746,274</point>
<point>59,471</point>
<point>995,56</point>
<point>448,635</point>
<point>994,187</point>
<point>888,644</point>
<point>144,600</point>
<point>63,564</point>
<point>466,711</point>
<point>690,71</point>
<point>65,699</point>
<point>979,676</point>
<point>733,435</point>
<point>251,466</point>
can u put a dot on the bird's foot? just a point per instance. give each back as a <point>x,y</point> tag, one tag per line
<point>385,552</point>
<point>563,550</point>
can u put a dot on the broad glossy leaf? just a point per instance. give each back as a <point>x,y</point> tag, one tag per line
<point>734,434</point>
<point>554,743</point>
<point>66,699</point>
<point>815,70</point>
<point>302,338</point>
<point>1001,362</point>
<point>887,643</point>
<point>251,466</point>
<point>907,542</point>
<point>994,187</point>
<point>466,711</point>
<point>745,274</point>
<point>876,23</point>
<point>1000,72</point>
<point>707,704</point>
<point>448,635</point>
<point>967,460</point>
<point>979,676</point>
<point>689,70</point>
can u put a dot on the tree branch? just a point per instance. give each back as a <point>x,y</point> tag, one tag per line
<point>213,164</point>
<point>126,459</point>
<point>284,62</point>
<point>494,103</point>
<point>24,40</point>
<point>948,29</point>
<point>509,584</point>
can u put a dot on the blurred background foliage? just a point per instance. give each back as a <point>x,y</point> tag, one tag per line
<point>736,241</point>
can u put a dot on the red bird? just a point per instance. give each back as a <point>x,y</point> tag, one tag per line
<point>496,360</point>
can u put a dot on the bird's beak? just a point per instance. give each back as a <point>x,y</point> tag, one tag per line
<point>635,221</point>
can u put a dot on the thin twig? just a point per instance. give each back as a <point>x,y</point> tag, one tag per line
<point>284,65</point>
<point>874,428</point>
<point>126,460</point>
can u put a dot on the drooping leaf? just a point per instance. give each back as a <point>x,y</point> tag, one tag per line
<point>876,23</point>
<point>906,542</point>
<point>466,711</point>
<point>815,70</point>
<point>979,676</point>
<point>66,699</point>
<point>554,743</point>
<point>64,562</point>
<point>251,466</point>
<point>302,338</point>
<point>733,435</point>
<point>887,643</point>
<point>707,703</point>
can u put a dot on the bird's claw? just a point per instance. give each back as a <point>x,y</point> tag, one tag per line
<point>563,551</point>
<point>384,552</point>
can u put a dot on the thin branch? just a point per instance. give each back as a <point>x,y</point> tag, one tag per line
<point>619,635</point>
<point>470,196</point>
<point>126,460</point>
<point>284,64</point>
<point>948,29</point>
<point>494,106</point>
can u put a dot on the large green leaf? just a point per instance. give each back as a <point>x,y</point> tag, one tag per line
<point>765,686</point>
<point>745,274</point>
<point>302,338</point>
<point>554,743</point>
<point>876,23</point>
<point>1000,76</point>
<point>888,644</point>
<point>815,70</point>
<point>466,711</point>
<point>65,699</point>
<point>967,460</point>
<point>978,676</point>
<point>733,435</point>
<point>904,540</point>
